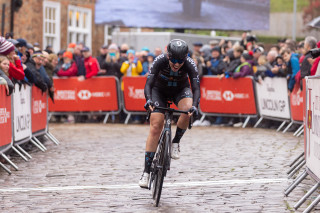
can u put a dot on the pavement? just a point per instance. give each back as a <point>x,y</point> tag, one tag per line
<point>96,168</point>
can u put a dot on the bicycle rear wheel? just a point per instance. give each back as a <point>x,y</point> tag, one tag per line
<point>160,168</point>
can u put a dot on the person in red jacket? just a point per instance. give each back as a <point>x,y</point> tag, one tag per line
<point>69,67</point>
<point>15,67</point>
<point>91,64</point>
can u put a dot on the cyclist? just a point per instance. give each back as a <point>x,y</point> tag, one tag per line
<point>168,81</point>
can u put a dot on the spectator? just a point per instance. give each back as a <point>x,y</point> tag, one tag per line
<point>4,73</point>
<point>309,43</point>
<point>213,43</point>
<point>78,58</point>
<point>157,52</point>
<point>103,55</point>
<point>50,63</point>
<point>60,59</point>
<point>271,57</point>
<point>30,48</point>
<point>235,62</point>
<point>257,52</point>
<point>131,67</point>
<point>15,66</point>
<point>279,68</point>
<point>145,63</point>
<point>275,48</point>
<point>49,49</point>
<point>315,64</point>
<point>111,65</point>
<point>196,47</point>
<point>91,64</point>
<point>69,67</point>
<point>150,58</point>
<point>21,46</point>
<point>292,67</point>
<point>263,69</point>
<point>215,65</point>
<point>34,64</point>
<point>123,53</point>
<point>244,69</point>
<point>53,60</point>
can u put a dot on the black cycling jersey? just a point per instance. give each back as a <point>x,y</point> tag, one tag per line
<point>163,77</point>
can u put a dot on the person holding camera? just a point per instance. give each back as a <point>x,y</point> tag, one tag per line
<point>310,42</point>
<point>111,65</point>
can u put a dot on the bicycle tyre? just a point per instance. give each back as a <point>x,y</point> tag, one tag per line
<point>161,171</point>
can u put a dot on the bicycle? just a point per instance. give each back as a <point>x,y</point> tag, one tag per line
<point>162,159</point>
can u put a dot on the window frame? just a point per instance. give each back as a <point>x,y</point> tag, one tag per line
<point>57,35</point>
<point>79,30</point>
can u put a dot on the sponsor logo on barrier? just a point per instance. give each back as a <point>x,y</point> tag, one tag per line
<point>211,95</point>
<point>23,122</point>
<point>65,95</point>
<point>296,100</point>
<point>216,95</point>
<point>38,106</point>
<point>273,105</point>
<point>4,115</point>
<point>228,95</point>
<point>86,94</point>
<point>136,93</point>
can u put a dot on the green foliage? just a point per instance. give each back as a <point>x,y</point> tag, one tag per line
<point>273,39</point>
<point>287,5</point>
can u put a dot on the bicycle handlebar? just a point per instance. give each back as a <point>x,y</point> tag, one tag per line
<point>170,110</point>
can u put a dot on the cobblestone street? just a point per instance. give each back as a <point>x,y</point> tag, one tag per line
<point>96,168</point>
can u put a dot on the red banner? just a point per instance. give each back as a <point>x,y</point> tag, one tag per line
<point>296,103</point>
<point>38,110</point>
<point>133,93</point>
<point>94,94</point>
<point>5,117</point>
<point>227,96</point>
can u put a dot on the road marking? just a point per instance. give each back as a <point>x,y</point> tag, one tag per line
<point>131,186</point>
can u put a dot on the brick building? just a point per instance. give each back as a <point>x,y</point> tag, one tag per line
<point>55,22</point>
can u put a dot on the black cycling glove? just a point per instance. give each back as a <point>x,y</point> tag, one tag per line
<point>148,104</point>
<point>194,110</point>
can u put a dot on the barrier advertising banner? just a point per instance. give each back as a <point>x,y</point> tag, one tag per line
<point>133,93</point>
<point>5,117</point>
<point>272,98</point>
<point>313,125</point>
<point>94,94</point>
<point>296,103</point>
<point>22,112</point>
<point>39,110</point>
<point>227,96</point>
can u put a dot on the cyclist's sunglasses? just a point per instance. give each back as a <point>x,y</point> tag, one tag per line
<point>174,61</point>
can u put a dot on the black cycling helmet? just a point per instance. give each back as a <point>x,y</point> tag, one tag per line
<point>177,49</point>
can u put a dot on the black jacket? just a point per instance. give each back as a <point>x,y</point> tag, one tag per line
<point>37,79</point>
<point>305,66</point>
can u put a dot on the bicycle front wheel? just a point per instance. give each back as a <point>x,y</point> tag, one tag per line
<point>161,168</point>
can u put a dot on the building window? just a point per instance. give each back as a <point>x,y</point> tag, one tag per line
<point>51,25</point>
<point>79,25</point>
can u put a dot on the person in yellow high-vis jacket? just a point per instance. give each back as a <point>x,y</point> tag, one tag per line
<point>131,67</point>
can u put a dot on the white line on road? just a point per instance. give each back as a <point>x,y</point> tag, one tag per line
<point>131,186</point>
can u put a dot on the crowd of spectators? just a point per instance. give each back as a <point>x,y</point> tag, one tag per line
<point>287,59</point>
<point>25,63</point>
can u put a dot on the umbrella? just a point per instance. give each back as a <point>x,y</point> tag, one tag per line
<point>315,23</point>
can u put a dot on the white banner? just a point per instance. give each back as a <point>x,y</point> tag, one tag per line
<point>22,112</point>
<point>312,123</point>
<point>272,98</point>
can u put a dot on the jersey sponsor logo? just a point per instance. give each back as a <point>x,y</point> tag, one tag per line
<point>155,60</point>
<point>38,106</point>
<point>156,103</point>
<point>193,63</point>
<point>136,93</point>
<point>4,115</point>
